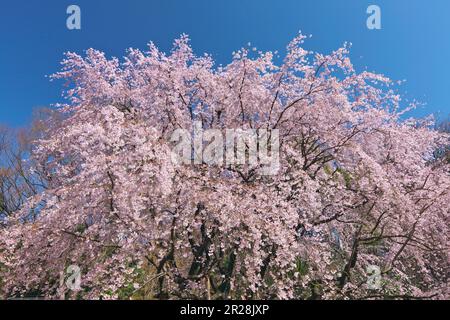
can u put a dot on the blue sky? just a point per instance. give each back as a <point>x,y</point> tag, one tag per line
<point>413,44</point>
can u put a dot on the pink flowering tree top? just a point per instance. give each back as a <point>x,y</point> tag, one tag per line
<point>359,207</point>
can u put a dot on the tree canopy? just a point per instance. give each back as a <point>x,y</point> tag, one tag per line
<point>359,184</point>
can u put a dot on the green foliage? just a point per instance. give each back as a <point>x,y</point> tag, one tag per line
<point>302,266</point>
<point>346,175</point>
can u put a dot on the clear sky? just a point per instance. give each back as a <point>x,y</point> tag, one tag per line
<point>413,44</point>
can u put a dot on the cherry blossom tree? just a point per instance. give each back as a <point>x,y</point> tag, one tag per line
<point>359,186</point>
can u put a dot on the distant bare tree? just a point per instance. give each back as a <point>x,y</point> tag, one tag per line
<point>444,126</point>
<point>17,181</point>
